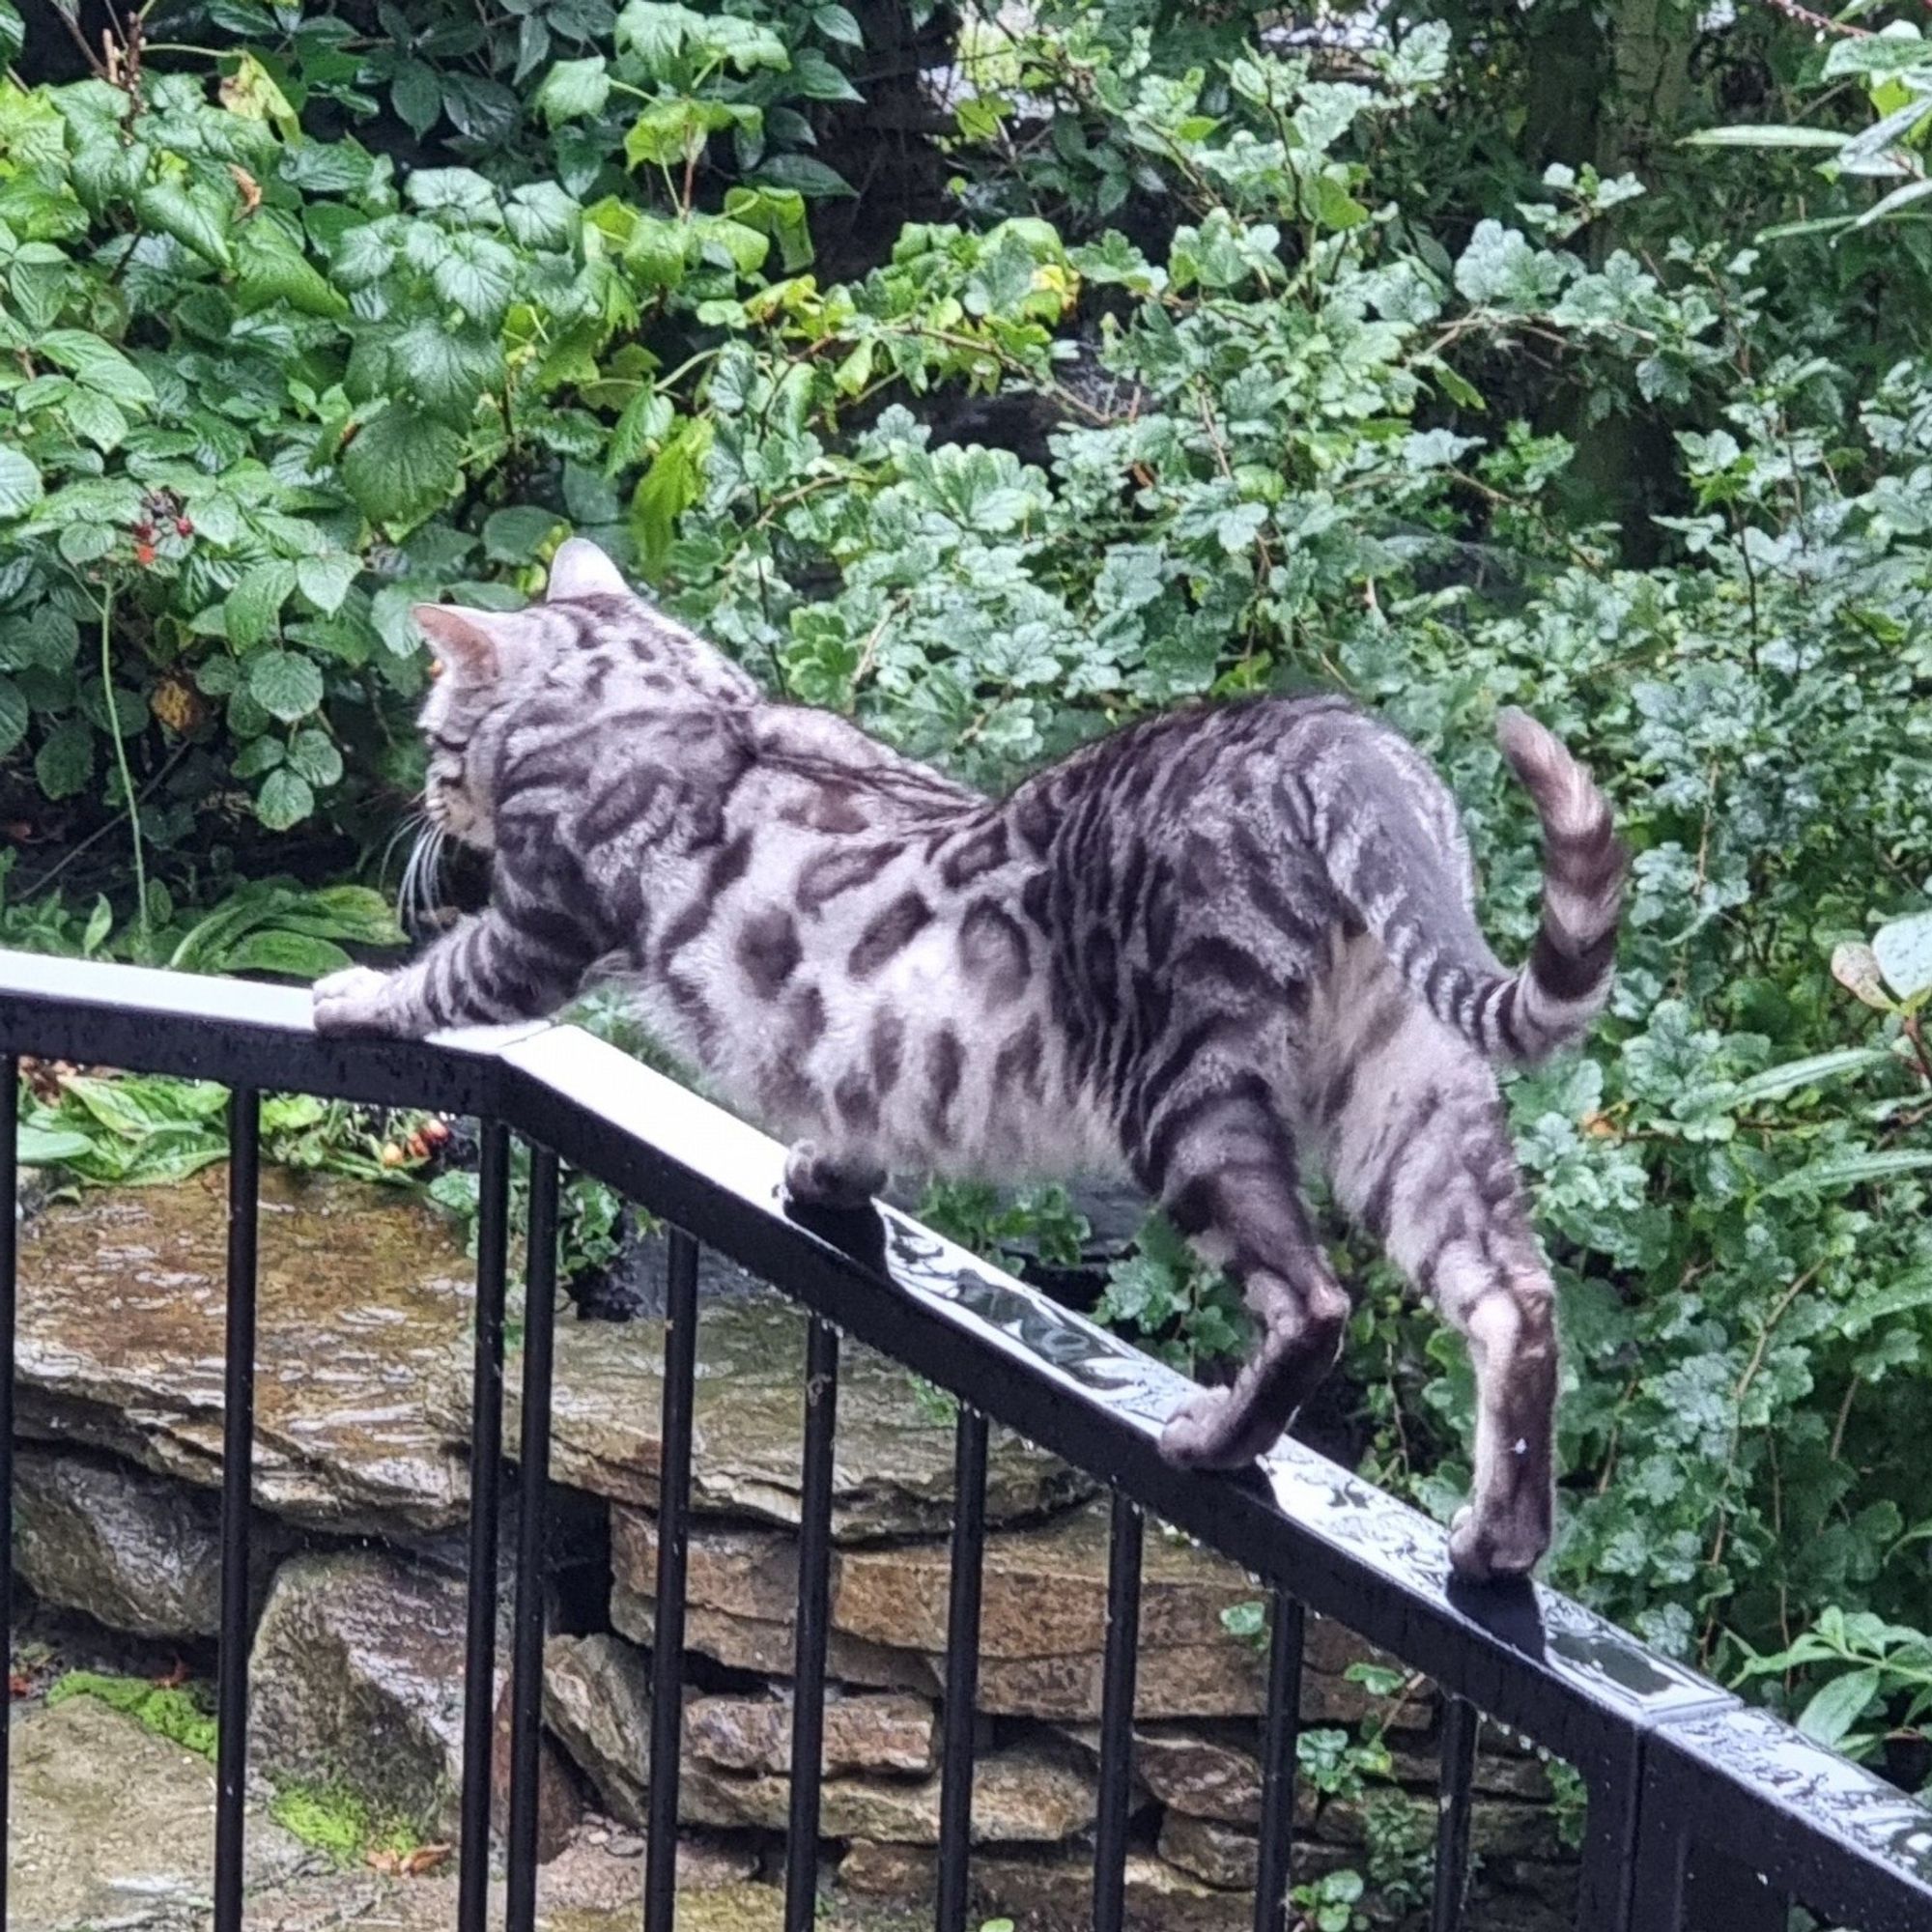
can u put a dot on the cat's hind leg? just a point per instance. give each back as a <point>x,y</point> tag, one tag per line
<point>1420,1154</point>
<point>1222,1163</point>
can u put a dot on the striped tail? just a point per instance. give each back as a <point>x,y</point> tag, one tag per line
<point>1432,940</point>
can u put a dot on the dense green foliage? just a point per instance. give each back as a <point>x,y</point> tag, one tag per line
<point>1204,365</point>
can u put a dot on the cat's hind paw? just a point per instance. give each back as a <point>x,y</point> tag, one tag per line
<point>350,1001</point>
<point>817,1178</point>
<point>1484,1551</point>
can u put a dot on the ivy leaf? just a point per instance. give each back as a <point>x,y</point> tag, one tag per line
<point>285,798</point>
<point>573,89</point>
<point>401,465</point>
<point>284,684</point>
<point>19,483</point>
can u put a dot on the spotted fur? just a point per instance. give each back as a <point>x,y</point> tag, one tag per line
<point>1202,952</point>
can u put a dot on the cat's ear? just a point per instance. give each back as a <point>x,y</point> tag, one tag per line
<point>466,641</point>
<point>580,569</point>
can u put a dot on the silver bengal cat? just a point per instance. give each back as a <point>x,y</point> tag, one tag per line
<point>1201,951</point>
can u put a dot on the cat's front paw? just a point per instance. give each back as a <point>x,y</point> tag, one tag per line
<point>817,1178</point>
<point>350,1001</point>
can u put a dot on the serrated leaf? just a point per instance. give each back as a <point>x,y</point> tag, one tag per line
<point>291,955</point>
<point>542,216</point>
<point>573,89</point>
<point>448,370</point>
<point>514,535</point>
<point>96,419</point>
<point>65,761</point>
<point>401,465</point>
<point>324,581</point>
<point>284,684</point>
<point>284,799</point>
<point>1903,949</point>
<point>1911,1292</point>
<point>99,364</point>
<point>19,483</point>
<point>249,612</point>
<point>314,755</point>
<point>271,268</point>
<point>193,216</point>
<point>477,276</point>
<point>13,716</point>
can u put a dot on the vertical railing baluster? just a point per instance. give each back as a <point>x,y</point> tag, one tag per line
<point>526,1658</point>
<point>486,1459</point>
<point>1452,1824</point>
<point>962,1668</point>
<point>238,1458</point>
<point>9,1256</point>
<point>673,1543</point>
<point>814,1576</point>
<point>1278,1763</point>
<point>1118,1672</point>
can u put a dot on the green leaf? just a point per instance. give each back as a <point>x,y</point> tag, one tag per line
<point>573,89</point>
<point>314,755</point>
<point>1769,134</point>
<point>13,716</point>
<point>515,534</point>
<point>416,95</point>
<point>803,175</point>
<point>401,465</point>
<point>271,268</point>
<point>96,419</point>
<point>99,364</point>
<point>291,955</point>
<point>448,370</point>
<point>1848,1170</point>
<point>51,1147</point>
<point>19,483</point>
<point>1903,949</point>
<point>65,762</point>
<point>1776,1082</point>
<point>324,581</point>
<point>284,799</point>
<point>837,23</point>
<point>1840,1705</point>
<point>193,216</point>
<point>477,276</point>
<point>13,33</point>
<point>250,611</point>
<point>284,684</point>
<point>1904,1295</point>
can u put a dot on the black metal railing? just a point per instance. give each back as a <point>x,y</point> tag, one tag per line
<point>1702,1812</point>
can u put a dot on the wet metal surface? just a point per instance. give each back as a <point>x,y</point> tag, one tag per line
<point>1542,1665</point>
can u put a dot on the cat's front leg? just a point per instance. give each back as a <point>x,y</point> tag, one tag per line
<point>493,967</point>
<point>817,1176</point>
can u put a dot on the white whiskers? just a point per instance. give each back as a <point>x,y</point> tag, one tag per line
<point>419,897</point>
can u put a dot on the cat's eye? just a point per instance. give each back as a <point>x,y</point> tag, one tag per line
<point>435,668</point>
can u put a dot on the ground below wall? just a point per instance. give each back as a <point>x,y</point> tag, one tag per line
<point>361,1483</point>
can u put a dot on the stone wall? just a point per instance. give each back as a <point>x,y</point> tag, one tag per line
<point>363,1411</point>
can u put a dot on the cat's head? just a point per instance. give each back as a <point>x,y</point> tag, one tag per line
<point>491,665</point>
